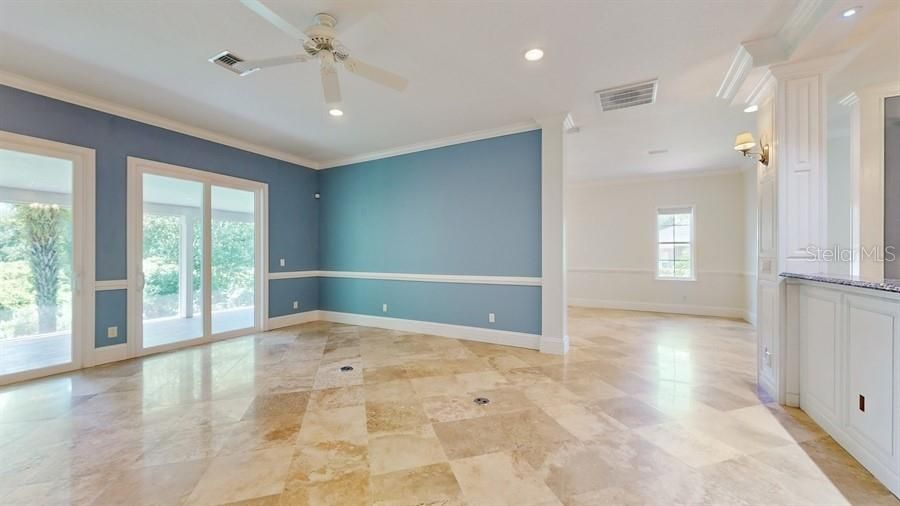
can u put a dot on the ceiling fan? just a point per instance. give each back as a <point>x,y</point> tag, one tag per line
<point>319,42</point>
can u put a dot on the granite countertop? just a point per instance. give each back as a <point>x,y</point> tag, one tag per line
<point>885,285</point>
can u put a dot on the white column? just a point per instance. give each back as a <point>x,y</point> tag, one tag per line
<point>554,338</point>
<point>793,218</point>
<point>186,278</point>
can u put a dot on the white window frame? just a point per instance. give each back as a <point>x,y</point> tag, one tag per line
<point>137,167</point>
<point>693,244</point>
<point>83,265</point>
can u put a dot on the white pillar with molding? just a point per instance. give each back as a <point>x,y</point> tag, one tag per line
<point>554,338</point>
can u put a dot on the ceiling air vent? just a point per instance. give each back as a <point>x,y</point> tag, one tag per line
<point>232,62</point>
<point>630,95</point>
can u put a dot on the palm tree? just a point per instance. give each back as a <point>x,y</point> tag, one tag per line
<point>43,233</point>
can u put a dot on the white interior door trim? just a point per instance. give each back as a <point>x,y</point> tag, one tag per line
<point>83,237</point>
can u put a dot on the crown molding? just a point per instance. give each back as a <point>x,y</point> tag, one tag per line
<point>763,90</point>
<point>525,126</point>
<point>741,64</point>
<point>771,50</point>
<point>84,100</point>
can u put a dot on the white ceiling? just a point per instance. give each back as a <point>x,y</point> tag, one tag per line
<point>463,59</point>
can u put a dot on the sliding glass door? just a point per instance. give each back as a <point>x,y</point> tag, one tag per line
<point>233,260</point>
<point>42,241</point>
<point>196,244</point>
<point>172,260</point>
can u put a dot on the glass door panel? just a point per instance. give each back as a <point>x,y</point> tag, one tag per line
<point>233,259</point>
<point>36,261</point>
<point>172,260</point>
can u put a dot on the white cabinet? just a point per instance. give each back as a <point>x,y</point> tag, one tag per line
<point>820,324</point>
<point>849,340</point>
<point>871,362</point>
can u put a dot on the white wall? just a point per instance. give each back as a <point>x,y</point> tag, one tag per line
<point>612,243</point>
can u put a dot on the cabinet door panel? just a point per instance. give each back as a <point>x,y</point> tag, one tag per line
<point>819,326</point>
<point>870,407</point>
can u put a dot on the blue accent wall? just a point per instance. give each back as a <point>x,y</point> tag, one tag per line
<point>293,212</point>
<point>110,311</point>
<point>465,209</point>
<point>472,208</point>
<point>518,308</point>
<point>283,293</point>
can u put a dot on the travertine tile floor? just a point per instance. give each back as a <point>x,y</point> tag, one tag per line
<point>646,409</point>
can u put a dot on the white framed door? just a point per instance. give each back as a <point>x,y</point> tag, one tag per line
<point>47,201</point>
<point>196,256</point>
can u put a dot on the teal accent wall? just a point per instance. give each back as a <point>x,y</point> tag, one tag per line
<point>465,209</point>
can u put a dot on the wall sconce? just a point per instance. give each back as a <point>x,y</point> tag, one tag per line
<point>744,143</point>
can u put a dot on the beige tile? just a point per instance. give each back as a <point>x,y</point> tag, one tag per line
<point>404,449</point>
<point>392,416</point>
<point>241,476</point>
<point>691,447</point>
<point>629,416</point>
<point>328,460</point>
<point>582,423</point>
<point>743,436</point>
<point>340,397</point>
<point>471,437</point>
<point>501,479</point>
<point>154,485</point>
<point>483,380</point>
<point>390,391</point>
<point>437,385</point>
<point>278,405</point>
<point>340,424</point>
<point>261,433</point>
<point>447,408</point>
<point>434,484</point>
<point>347,489</point>
<point>629,411</point>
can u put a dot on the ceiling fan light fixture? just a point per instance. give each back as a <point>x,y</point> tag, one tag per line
<point>534,54</point>
<point>334,111</point>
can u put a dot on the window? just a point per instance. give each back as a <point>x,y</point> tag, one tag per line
<point>675,243</point>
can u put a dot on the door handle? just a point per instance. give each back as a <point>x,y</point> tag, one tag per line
<point>141,280</point>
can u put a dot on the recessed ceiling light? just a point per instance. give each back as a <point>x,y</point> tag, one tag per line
<point>335,112</point>
<point>534,54</point>
<point>752,108</point>
<point>850,12</point>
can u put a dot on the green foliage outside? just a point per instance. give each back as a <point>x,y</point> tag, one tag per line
<point>232,273</point>
<point>35,269</point>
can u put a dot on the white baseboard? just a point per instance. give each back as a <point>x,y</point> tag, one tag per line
<point>277,322</point>
<point>492,336</point>
<point>106,355</point>
<point>555,345</point>
<point>725,312</point>
<point>750,317</point>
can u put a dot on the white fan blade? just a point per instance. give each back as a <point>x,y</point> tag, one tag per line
<point>375,74</point>
<point>273,62</point>
<point>330,83</point>
<point>269,15</point>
